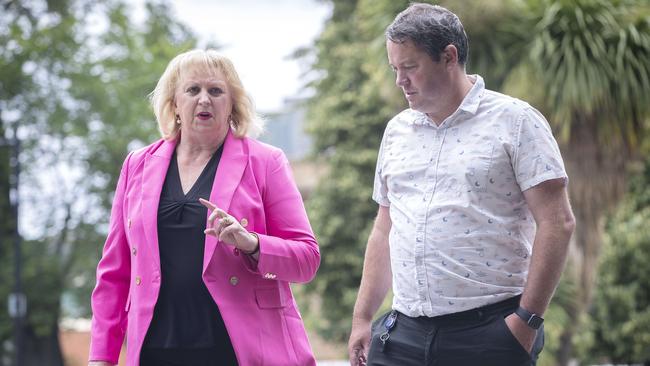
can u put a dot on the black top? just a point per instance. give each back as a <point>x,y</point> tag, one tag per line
<point>185,315</point>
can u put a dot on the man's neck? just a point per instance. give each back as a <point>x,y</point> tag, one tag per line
<point>461,87</point>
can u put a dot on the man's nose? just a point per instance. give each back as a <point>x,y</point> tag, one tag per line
<point>401,79</point>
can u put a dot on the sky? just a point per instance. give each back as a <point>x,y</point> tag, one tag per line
<point>259,36</point>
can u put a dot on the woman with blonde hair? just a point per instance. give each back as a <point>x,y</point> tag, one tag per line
<point>207,230</point>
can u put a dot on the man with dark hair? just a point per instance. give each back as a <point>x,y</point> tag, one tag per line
<point>474,219</point>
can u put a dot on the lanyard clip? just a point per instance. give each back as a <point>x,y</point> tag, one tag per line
<point>389,324</point>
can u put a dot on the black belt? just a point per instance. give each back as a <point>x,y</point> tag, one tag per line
<point>474,314</point>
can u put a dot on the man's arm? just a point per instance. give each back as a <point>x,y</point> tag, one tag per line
<point>549,204</point>
<point>375,282</point>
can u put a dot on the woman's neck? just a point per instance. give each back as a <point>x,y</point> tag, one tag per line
<point>196,151</point>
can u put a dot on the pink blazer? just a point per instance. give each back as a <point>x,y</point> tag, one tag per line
<point>254,184</point>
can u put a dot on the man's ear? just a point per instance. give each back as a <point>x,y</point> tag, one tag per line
<point>450,55</point>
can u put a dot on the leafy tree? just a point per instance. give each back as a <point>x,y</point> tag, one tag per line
<point>7,228</point>
<point>27,41</point>
<point>620,319</point>
<point>589,61</point>
<point>76,91</point>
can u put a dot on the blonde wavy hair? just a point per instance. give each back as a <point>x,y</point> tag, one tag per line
<point>244,119</point>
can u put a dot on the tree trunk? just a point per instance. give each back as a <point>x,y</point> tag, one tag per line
<point>582,267</point>
<point>7,221</point>
<point>43,350</point>
<point>597,179</point>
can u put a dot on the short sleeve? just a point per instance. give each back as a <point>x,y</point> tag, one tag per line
<point>537,155</point>
<point>380,188</point>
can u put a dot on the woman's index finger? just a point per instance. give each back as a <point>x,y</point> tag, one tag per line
<point>207,204</point>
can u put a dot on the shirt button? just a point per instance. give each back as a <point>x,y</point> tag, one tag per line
<point>129,223</point>
<point>243,222</point>
<point>138,280</point>
<point>419,240</point>
<point>234,280</point>
<point>134,251</point>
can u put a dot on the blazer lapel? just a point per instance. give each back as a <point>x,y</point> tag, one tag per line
<point>234,159</point>
<point>155,170</point>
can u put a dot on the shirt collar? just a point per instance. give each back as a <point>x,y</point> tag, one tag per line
<point>473,98</point>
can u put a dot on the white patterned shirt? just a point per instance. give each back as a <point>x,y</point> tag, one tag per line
<point>462,232</point>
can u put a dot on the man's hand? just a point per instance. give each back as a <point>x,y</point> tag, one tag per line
<point>524,334</point>
<point>359,342</point>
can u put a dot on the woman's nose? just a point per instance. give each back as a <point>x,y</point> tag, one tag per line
<point>204,98</point>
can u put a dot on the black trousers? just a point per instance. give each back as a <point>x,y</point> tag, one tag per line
<point>477,337</point>
<point>186,357</point>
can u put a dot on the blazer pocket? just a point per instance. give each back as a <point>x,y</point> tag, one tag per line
<point>269,298</point>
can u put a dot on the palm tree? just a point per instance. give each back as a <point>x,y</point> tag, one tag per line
<point>586,65</point>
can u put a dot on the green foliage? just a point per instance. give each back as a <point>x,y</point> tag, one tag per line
<point>7,226</point>
<point>74,83</point>
<point>589,57</point>
<point>27,44</point>
<point>355,98</point>
<point>494,45</point>
<point>620,318</point>
<point>112,88</point>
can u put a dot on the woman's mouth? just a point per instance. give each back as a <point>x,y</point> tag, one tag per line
<point>204,115</point>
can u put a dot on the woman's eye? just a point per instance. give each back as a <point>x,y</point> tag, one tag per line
<point>215,91</point>
<point>193,89</point>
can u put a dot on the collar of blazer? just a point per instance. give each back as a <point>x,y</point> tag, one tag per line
<point>229,173</point>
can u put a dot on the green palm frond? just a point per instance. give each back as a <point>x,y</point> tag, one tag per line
<point>590,58</point>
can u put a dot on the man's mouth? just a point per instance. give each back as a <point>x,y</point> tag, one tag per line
<point>409,94</point>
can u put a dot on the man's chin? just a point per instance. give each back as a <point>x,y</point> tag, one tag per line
<point>416,107</point>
